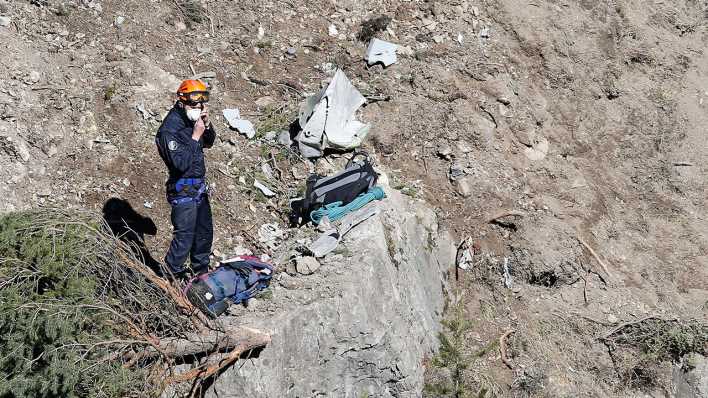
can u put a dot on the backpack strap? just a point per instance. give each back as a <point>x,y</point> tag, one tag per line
<point>355,156</point>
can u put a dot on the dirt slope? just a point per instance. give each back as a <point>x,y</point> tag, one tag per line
<point>588,117</point>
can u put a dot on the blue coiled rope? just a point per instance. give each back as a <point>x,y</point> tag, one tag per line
<point>335,211</point>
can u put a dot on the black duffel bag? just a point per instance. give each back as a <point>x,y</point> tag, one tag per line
<point>357,177</point>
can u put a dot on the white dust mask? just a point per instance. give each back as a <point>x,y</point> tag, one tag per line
<point>193,114</point>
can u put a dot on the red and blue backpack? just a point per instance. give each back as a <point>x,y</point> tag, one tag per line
<point>233,282</point>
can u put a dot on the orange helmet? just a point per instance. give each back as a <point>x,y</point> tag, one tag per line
<point>193,92</point>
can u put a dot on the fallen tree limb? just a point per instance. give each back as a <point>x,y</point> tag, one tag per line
<point>254,340</point>
<point>502,348</point>
<point>505,213</point>
<point>208,343</point>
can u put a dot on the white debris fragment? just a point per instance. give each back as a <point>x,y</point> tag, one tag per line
<point>261,32</point>
<point>233,117</point>
<point>484,33</point>
<point>381,51</point>
<point>333,30</point>
<point>144,112</point>
<point>328,118</point>
<point>266,191</point>
<point>460,38</point>
<point>465,255</point>
<point>147,204</point>
<point>270,235</point>
<point>508,281</point>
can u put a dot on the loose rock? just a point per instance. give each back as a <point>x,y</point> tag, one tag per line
<point>306,265</point>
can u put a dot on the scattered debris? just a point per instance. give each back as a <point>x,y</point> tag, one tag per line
<point>144,112</point>
<point>5,21</point>
<point>330,237</point>
<point>508,280</point>
<point>147,204</point>
<point>233,117</point>
<point>325,244</point>
<point>465,254</point>
<point>328,118</point>
<point>119,20</point>
<point>460,38</point>
<point>484,33</point>
<point>538,148</point>
<point>333,30</point>
<point>266,191</point>
<point>306,265</point>
<point>270,235</point>
<point>381,51</point>
<point>356,217</point>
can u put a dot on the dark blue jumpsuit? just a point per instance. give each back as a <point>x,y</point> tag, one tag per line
<point>191,213</point>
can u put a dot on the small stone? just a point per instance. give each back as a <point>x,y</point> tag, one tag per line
<point>126,182</point>
<point>284,138</point>
<point>333,30</point>
<point>456,171</point>
<point>306,265</point>
<point>265,102</point>
<point>291,51</point>
<point>180,26</point>
<point>52,150</point>
<point>270,136</point>
<point>464,188</point>
<point>34,76</point>
<point>445,152</point>
<point>612,319</point>
<point>464,147</point>
<point>438,39</point>
<point>5,21</point>
<point>119,20</point>
<point>22,151</point>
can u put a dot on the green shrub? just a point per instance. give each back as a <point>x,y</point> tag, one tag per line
<point>66,300</point>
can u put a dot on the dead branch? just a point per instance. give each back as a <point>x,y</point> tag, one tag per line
<point>209,343</point>
<point>255,340</point>
<point>505,213</point>
<point>624,325</point>
<point>502,348</point>
<point>594,255</point>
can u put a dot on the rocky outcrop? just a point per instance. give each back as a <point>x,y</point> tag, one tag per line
<point>363,324</point>
<point>691,378</point>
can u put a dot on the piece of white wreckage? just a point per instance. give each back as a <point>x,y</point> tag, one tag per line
<point>381,51</point>
<point>233,117</point>
<point>328,119</point>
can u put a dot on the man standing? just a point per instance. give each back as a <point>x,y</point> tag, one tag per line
<point>180,141</point>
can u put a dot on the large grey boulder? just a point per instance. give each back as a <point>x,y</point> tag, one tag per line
<point>363,324</point>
